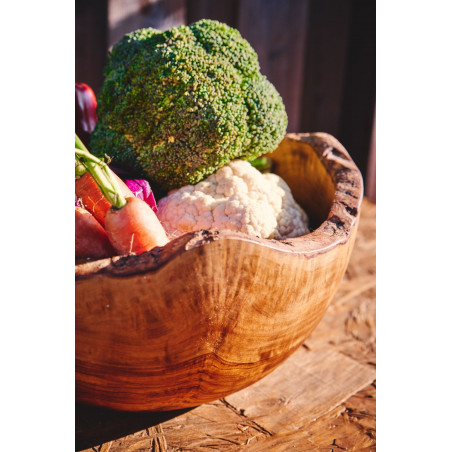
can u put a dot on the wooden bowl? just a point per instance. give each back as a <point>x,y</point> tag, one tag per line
<point>214,311</point>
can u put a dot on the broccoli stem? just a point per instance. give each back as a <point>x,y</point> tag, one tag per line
<point>263,164</point>
<point>101,173</point>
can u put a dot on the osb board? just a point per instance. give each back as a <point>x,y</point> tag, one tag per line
<point>313,401</point>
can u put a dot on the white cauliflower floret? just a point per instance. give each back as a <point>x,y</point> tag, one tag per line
<point>239,198</point>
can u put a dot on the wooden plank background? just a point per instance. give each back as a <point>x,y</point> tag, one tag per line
<point>319,54</point>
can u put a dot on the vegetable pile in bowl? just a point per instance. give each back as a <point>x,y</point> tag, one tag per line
<point>187,113</point>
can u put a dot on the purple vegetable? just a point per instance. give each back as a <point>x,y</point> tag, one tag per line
<point>142,190</point>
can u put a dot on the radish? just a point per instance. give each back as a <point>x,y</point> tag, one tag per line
<point>130,223</point>
<point>90,237</point>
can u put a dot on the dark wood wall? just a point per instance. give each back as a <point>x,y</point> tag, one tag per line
<point>320,55</point>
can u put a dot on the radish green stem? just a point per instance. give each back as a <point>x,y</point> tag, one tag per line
<point>80,169</point>
<point>101,173</point>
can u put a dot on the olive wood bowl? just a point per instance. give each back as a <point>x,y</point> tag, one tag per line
<point>212,311</point>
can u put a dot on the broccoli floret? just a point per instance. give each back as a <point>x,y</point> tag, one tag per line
<point>180,104</point>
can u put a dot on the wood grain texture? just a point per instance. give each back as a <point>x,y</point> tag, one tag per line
<point>214,311</point>
<point>91,31</point>
<point>325,64</point>
<point>348,328</point>
<point>277,30</point>
<point>371,183</point>
<point>359,88</point>
<point>226,12</point>
<point>276,406</point>
<point>130,15</point>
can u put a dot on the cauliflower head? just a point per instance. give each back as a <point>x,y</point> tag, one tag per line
<point>239,198</point>
<point>178,105</point>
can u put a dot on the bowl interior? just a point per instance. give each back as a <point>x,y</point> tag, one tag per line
<point>302,169</point>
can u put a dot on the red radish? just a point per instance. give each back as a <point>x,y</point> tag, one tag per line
<point>92,197</point>
<point>134,228</point>
<point>131,225</point>
<point>90,237</point>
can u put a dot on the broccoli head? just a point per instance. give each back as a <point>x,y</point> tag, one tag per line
<point>178,105</point>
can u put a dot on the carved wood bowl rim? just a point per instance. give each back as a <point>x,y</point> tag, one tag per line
<point>336,229</point>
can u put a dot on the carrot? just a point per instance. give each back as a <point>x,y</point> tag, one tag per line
<point>92,197</point>
<point>134,228</point>
<point>131,225</point>
<point>90,237</point>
